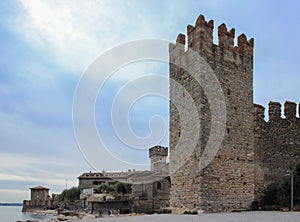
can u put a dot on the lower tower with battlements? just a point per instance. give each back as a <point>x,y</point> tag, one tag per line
<point>158,158</point>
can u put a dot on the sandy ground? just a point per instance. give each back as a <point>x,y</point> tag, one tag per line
<point>260,216</point>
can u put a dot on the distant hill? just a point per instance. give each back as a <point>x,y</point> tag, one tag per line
<point>11,204</point>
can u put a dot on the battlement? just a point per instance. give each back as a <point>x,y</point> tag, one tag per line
<point>200,39</point>
<point>259,111</point>
<point>290,110</point>
<point>158,151</point>
<point>226,39</point>
<point>274,111</point>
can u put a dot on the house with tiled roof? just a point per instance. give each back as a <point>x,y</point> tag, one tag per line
<point>150,188</point>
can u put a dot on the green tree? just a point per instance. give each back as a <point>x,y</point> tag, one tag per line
<point>270,195</point>
<point>123,188</point>
<point>280,194</point>
<point>283,195</point>
<point>70,194</point>
<point>297,185</point>
<point>104,188</point>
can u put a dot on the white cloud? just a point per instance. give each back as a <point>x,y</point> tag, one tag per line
<point>76,32</point>
<point>37,170</point>
<point>10,177</point>
<point>13,195</point>
<point>38,154</point>
<point>67,29</point>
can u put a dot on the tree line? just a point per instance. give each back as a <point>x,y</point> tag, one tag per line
<point>74,192</point>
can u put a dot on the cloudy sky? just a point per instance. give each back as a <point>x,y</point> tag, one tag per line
<point>46,46</point>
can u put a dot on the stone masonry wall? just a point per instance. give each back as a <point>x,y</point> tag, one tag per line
<point>227,183</point>
<point>277,143</point>
<point>114,206</point>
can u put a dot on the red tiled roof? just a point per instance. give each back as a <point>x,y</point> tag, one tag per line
<point>112,175</point>
<point>94,175</point>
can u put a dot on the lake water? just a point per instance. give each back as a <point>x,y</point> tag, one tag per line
<point>13,213</point>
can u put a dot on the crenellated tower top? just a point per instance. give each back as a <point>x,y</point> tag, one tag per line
<point>200,39</point>
<point>158,155</point>
<point>275,110</point>
<point>290,110</point>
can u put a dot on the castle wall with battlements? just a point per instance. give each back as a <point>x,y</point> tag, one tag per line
<point>227,183</point>
<point>277,143</point>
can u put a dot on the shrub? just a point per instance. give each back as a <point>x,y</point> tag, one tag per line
<point>191,212</point>
<point>104,188</point>
<point>164,211</point>
<point>279,194</point>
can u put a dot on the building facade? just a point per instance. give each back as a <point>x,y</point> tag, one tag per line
<point>90,179</point>
<point>150,189</point>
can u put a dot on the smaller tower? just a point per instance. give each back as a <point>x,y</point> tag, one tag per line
<point>40,196</point>
<point>158,156</point>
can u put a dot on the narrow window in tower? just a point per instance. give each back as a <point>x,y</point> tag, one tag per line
<point>159,186</point>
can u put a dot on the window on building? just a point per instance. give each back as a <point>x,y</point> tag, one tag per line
<point>142,187</point>
<point>159,186</point>
<point>95,182</point>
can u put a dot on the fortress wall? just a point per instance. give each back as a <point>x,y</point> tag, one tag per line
<point>277,143</point>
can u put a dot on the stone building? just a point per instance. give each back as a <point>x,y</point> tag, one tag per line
<point>152,196</point>
<point>40,199</point>
<point>96,202</point>
<point>87,180</point>
<point>150,189</point>
<point>253,152</point>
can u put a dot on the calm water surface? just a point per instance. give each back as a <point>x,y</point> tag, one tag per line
<point>13,213</point>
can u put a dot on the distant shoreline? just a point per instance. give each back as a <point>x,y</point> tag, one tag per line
<point>11,204</point>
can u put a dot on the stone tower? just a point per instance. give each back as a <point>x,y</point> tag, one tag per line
<point>40,196</point>
<point>158,157</point>
<point>227,183</point>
